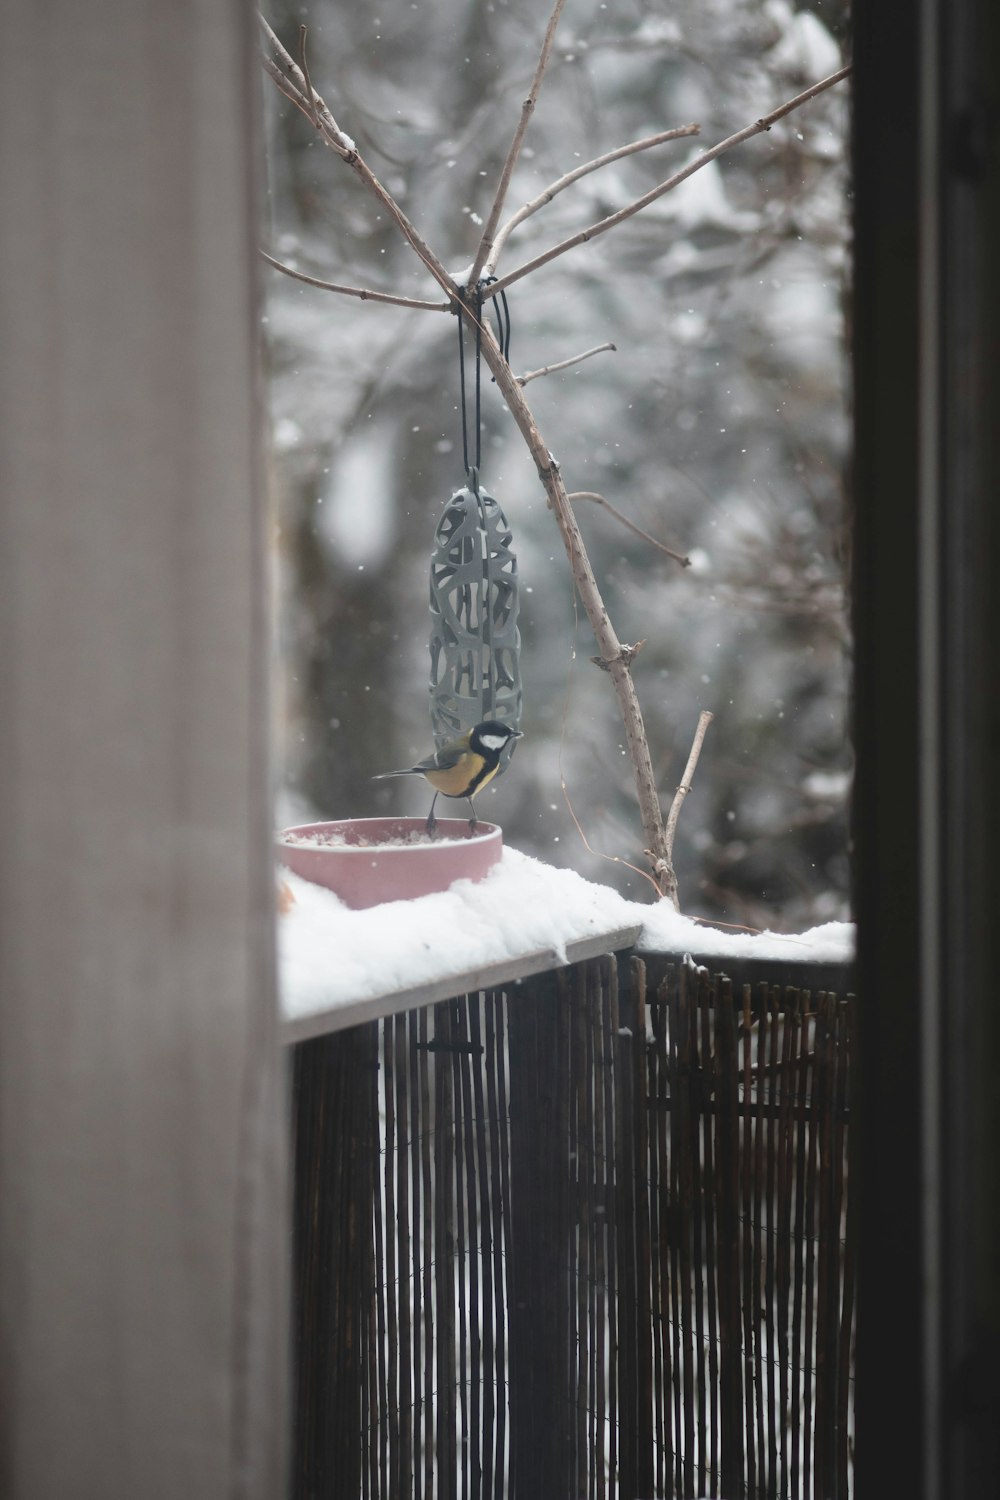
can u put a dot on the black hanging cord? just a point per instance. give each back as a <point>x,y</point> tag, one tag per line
<point>478,316</point>
<point>502,310</point>
<point>479,366</point>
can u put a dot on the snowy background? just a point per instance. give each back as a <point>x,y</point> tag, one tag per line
<point>720,426</point>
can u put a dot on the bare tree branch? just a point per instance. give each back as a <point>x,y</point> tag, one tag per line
<point>757,128</point>
<point>564,364</point>
<point>527,110</point>
<point>678,557</point>
<point>293,84</point>
<point>364,293</point>
<point>561,183</point>
<point>668,876</point>
<point>614,655</point>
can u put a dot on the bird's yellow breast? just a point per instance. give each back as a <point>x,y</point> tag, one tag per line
<point>464,778</point>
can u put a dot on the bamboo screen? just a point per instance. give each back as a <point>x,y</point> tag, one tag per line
<point>570,1239</point>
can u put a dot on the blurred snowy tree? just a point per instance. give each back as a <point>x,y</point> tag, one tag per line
<point>720,425</point>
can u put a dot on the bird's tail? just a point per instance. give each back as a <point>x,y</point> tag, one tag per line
<point>384,775</point>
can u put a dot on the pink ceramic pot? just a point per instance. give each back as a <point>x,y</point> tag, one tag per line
<point>356,860</point>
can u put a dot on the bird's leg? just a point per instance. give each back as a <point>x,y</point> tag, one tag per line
<point>431,823</point>
<point>473,825</point>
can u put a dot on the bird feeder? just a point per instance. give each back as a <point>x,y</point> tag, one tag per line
<point>475,644</point>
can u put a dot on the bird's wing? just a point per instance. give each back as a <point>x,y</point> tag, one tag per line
<point>442,760</point>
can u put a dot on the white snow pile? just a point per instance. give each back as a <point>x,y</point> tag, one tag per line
<point>331,956</point>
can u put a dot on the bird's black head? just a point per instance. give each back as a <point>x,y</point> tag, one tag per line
<point>491,737</point>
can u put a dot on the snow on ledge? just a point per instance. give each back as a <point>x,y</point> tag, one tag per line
<point>336,965</point>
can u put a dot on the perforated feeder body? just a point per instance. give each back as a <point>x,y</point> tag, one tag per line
<point>475,644</point>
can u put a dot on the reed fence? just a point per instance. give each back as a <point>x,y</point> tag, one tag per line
<point>585,1236</point>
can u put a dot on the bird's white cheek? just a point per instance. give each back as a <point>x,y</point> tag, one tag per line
<point>494,741</point>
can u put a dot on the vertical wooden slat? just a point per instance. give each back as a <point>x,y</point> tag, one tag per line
<point>746,1237</point>
<point>342,1456</point>
<point>802,1370</point>
<point>638,1085</point>
<point>837,1426</point>
<point>683,1139</point>
<point>825,1325</point>
<point>599,1333</point>
<point>673,1217</point>
<point>797,1240</point>
<point>651,1187</point>
<point>706,1009</point>
<point>569,1001</point>
<point>786,1187</point>
<point>494,1096</point>
<point>427,1394</point>
<point>412,1149</point>
<point>446,1450</point>
<point>609,1198</point>
<point>776,1416</point>
<point>487,1249</point>
<point>470,1128</point>
<point>559,1224</point>
<point>462,1244</point>
<point>808,1326</point>
<point>580,1218</point>
<point>759,1313</point>
<point>505,1451</point>
<point>698,1130</point>
<point>391,1283</point>
<point>631,1225</point>
<point>845,1384</point>
<point>381,1314</point>
<point>377,1329</point>
<point>661,1187</point>
<point>541,1421</point>
<point>331,1245</point>
<point>727,1179</point>
<point>403,1261</point>
<point>591,991</point>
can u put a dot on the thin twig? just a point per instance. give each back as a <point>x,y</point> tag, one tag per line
<point>678,557</point>
<point>703,160</point>
<point>669,877</point>
<point>310,92</point>
<point>566,181</point>
<point>364,293</point>
<point>289,77</point>
<point>527,109</point>
<point>615,859</point>
<point>564,364</point>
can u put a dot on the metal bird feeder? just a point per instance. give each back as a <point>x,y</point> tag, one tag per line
<point>475,644</point>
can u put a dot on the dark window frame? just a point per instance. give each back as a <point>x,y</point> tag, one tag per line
<point>927,807</point>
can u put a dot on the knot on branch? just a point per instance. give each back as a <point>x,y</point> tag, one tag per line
<point>625,656</point>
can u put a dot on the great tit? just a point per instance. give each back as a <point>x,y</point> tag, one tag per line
<point>463,766</point>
